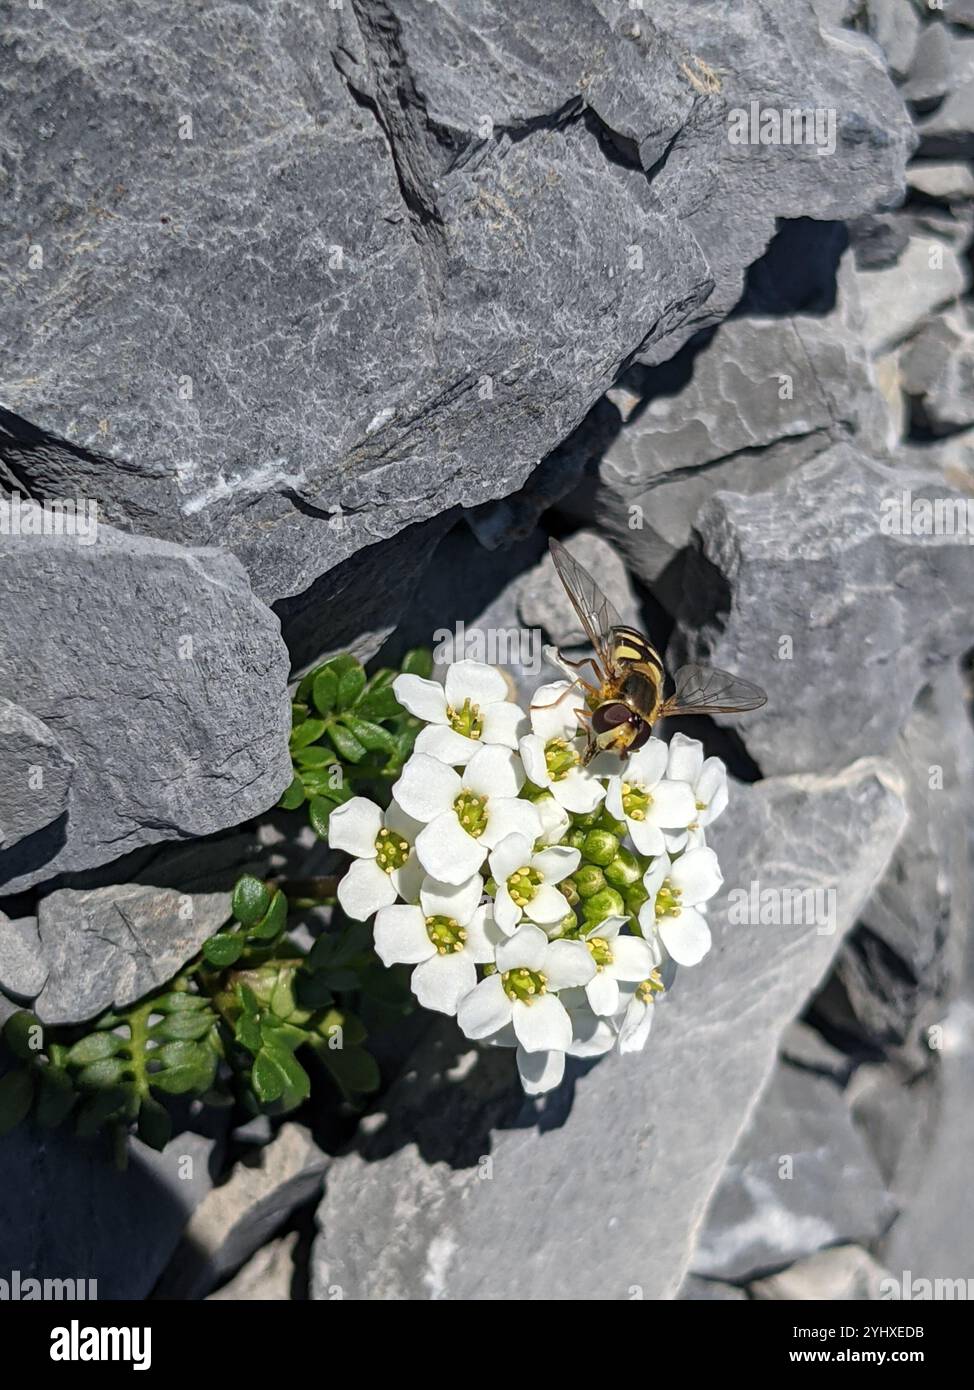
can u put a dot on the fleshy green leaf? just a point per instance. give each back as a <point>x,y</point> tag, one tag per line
<point>315,756</point>
<point>379,704</point>
<point>223,950</point>
<point>273,921</point>
<point>418,662</point>
<point>94,1048</point>
<point>319,809</point>
<point>55,1098</point>
<point>350,686</point>
<point>373,737</point>
<point>155,1124</point>
<point>110,1071</point>
<point>307,732</point>
<point>346,743</point>
<point>251,899</point>
<point>24,1035</point>
<point>268,1078</point>
<point>324,690</point>
<point>293,797</point>
<point>16,1096</point>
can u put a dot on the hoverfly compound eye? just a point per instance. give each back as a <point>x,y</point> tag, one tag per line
<point>641,736</point>
<point>610,715</point>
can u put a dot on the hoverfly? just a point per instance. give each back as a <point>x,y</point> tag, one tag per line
<point>626,699</point>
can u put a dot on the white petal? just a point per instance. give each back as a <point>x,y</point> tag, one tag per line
<point>408,880</point>
<point>547,906</point>
<point>447,852</point>
<point>509,817</point>
<point>647,765</point>
<point>554,818</point>
<point>553,710</point>
<point>543,1025</point>
<point>395,818</point>
<point>685,760</point>
<point>483,935</point>
<point>485,1010</point>
<point>472,680</point>
<point>446,745</point>
<point>568,965</point>
<point>673,806</point>
<point>531,749</point>
<point>509,855</point>
<point>426,699</point>
<point>592,1036</point>
<point>556,863</point>
<point>401,937</point>
<point>686,938</point>
<point>426,788</point>
<point>711,789</point>
<point>635,1027</point>
<point>459,900</point>
<point>647,838</point>
<point>507,914</point>
<point>364,888</point>
<point>540,1071</point>
<point>578,791</point>
<point>442,981</point>
<point>527,947</point>
<point>676,841</point>
<point>354,826</point>
<point>613,799</point>
<point>655,874</point>
<point>603,994</point>
<point>608,929</point>
<point>504,724</point>
<point>494,771</point>
<point>632,959</point>
<point>697,875</point>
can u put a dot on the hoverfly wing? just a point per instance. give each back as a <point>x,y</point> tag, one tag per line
<point>597,615</point>
<point>706,690</point>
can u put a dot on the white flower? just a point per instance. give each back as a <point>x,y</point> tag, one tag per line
<point>617,958</point>
<point>464,816</point>
<point>555,821</point>
<point>552,752</point>
<point>526,882</point>
<point>472,710</point>
<point>708,780</point>
<point>385,864</point>
<point>523,992</point>
<point>637,1019</point>
<point>592,1035</point>
<point>446,937</point>
<point>676,890</point>
<point>647,801</point>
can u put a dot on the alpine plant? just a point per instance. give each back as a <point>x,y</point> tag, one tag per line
<point>538,900</point>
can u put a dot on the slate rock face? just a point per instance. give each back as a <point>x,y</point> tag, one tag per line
<point>461,1188</point>
<point>35,774</point>
<point>308,372</point>
<point>23,968</point>
<point>111,946</point>
<point>801,1178</point>
<point>801,589</point>
<point>166,683</point>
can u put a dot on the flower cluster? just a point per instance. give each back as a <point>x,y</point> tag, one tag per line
<point>538,899</point>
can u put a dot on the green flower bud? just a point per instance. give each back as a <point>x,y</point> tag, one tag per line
<point>585,820</point>
<point>576,838</point>
<point>624,870</point>
<point>608,822</point>
<point>635,896</point>
<point>608,903</point>
<point>588,879</point>
<point>600,847</point>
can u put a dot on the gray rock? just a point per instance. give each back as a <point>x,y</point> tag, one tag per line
<point>959,12</point>
<point>241,1215</point>
<point>489,217</point>
<point>775,593</point>
<point>166,683</point>
<point>23,968</point>
<point>710,1291</point>
<point>35,774</point>
<point>267,1277</point>
<point>944,181</point>
<point>462,1189</point>
<point>110,946</point>
<point>67,1213</point>
<point>937,372</point>
<point>948,131</point>
<point>895,25</point>
<point>799,1179</point>
<point>835,12</point>
<point>804,1046</point>
<point>896,300</point>
<point>844,1274</point>
<point>543,601</point>
<point>932,68</point>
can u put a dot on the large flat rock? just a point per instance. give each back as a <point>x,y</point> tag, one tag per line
<point>461,1189</point>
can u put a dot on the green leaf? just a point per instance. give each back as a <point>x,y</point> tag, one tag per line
<point>251,899</point>
<point>94,1048</point>
<point>282,1000</point>
<point>293,797</point>
<point>315,756</point>
<point>418,662</point>
<point>308,732</point>
<point>341,979</point>
<point>350,686</point>
<point>355,1070</point>
<point>248,1033</point>
<point>110,1071</point>
<point>324,690</point>
<point>299,713</point>
<point>192,1076</point>
<point>24,1035</point>
<point>16,1096</point>
<point>343,663</point>
<point>274,920</point>
<point>176,1054</point>
<point>99,1109</point>
<point>346,743</point>
<point>179,1001</point>
<point>268,1078</point>
<point>223,950</point>
<point>320,781</point>
<point>56,1097</point>
<point>155,1124</point>
<point>183,1026</point>
<point>379,704</point>
<point>296,1078</point>
<point>371,736</point>
<point>319,809</point>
